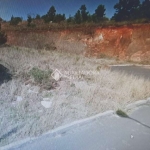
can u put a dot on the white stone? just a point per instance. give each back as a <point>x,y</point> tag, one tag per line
<point>132,136</point>
<point>19,98</point>
<point>46,104</point>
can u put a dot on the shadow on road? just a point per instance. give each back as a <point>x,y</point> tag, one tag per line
<point>14,130</point>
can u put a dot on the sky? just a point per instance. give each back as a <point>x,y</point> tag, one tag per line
<point>21,8</point>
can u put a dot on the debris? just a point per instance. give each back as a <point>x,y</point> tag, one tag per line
<point>19,98</point>
<point>46,104</point>
<point>132,136</point>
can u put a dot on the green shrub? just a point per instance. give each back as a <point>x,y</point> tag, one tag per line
<point>121,113</point>
<point>39,75</point>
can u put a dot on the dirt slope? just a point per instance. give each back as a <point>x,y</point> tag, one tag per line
<point>126,42</point>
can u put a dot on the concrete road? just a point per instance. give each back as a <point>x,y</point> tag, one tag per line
<point>138,71</point>
<point>109,132</point>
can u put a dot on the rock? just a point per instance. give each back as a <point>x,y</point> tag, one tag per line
<point>132,136</point>
<point>19,98</point>
<point>46,104</point>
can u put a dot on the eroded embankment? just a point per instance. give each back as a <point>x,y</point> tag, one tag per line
<point>126,42</point>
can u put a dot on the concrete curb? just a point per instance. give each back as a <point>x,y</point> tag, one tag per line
<point>81,122</point>
<point>60,130</point>
<point>137,104</point>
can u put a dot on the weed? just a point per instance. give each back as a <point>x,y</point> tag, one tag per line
<point>121,113</point>
<point>72,85</point>
<point>98,68</point>
<point>40,76</point>
<point>77,58</point>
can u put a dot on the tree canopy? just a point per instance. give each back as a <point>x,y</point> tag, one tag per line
<point>100,12</point>
<point>51,13</point>
<point>126,10</point>
<point>58,18</point>
<point>77,17</point>
<point>84,13</point>
<point>29,20</point>
<point>15,20</point>
<point>145,9</point>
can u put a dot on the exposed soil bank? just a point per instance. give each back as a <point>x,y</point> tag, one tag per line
<point>4,74</point>
<point>126,42</point>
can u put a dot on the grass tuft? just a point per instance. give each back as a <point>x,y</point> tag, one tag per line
<point>121,113</point>
<point>40,75</point>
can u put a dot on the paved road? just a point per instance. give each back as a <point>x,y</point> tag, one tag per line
<point>138,71</point>
<point>104,133</point>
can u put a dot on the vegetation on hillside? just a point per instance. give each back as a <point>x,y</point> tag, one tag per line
<point>15,20</point>
<point>127,11</point>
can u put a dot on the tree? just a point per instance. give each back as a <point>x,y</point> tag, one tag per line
<point>15,20</point>
<point>51,13</point>
<point>77,17</point>
<point>50,16</point>
<point>1,19</point>
<point>45,18</point>
<point>70,19</point>
<point>58,18</point>
<point>100,12</point>
<point>37,16</point>
<point>11,20</point>
<point>29,20</point>
<point>145,9</point>
<point>126,10</point>
<point>84,13</point>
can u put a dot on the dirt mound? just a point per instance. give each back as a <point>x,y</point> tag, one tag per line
<point>4,74</point>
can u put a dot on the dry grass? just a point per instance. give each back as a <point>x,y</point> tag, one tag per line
<point>81,96</point>
<point>50,40</point>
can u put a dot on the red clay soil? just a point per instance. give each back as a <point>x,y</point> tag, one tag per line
<point>125,43</point>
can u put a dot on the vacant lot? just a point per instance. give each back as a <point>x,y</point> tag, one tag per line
<point>87,87</point>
